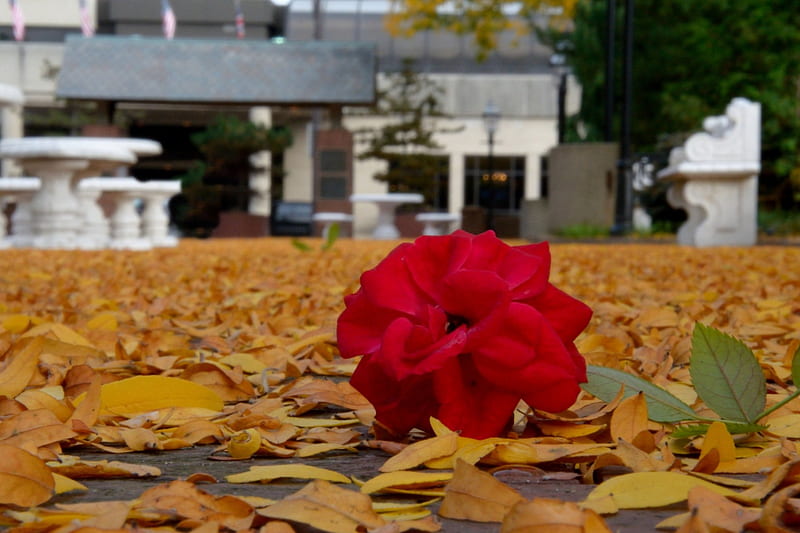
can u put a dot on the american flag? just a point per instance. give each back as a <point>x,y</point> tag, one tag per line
<point>169,19</point>
<point>239,19</point>
<point>17,20</point>
<point>87,22</point>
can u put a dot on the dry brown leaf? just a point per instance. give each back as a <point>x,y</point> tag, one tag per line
<point>326,507</point>
<point>544,515</point>
<point>477,496</point>
<point>25,480</point>
<point>189,502</point>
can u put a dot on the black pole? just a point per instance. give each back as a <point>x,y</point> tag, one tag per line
<point>611,7</point>
<point>562,106</point>
<point>490,215</point>
<point>623,218</point>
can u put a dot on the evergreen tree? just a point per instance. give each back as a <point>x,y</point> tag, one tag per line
<point>411,103</point>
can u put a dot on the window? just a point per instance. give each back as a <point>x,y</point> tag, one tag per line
<point>333,174</point>
<point>504,188</point>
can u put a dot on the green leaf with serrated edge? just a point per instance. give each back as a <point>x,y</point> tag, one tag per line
<point>796,368</point>
<point>695,430</point>
<point>333,234</point>
<point>662,406</point>
<point>726,375</point>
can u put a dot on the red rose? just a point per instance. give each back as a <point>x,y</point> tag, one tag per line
<point>461,327</point>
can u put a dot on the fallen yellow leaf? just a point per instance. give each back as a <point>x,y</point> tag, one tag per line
<point>265,474</point>
<point>641,490</point>
<point>140,394</point>
<point>328,508</point>
<point>405,480</point>
<point>478,496</point>
<point>422,451</point>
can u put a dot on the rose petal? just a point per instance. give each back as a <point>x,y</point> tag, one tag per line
<point>400,406</point>
<point>409,349</point>
<point>361,326</point>
<point>470,403</point>
<point>566,315</point>
<point>432,258</point>
<point>400,294</point>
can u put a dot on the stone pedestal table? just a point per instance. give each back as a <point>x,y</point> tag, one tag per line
<point>437,223</point>
<point>55,161</point>
<point>387,203</point>
<point>155,219</point>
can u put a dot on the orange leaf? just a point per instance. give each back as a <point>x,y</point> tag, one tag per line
<point>25,480</point>
<point>629,418</point>
<point>545,515</point>
<point>476,495</point>
<point>20,367</point>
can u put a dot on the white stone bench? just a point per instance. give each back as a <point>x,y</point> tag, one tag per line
<point>714,177</point>
<point>126,229</point>
<point>329,218</point>
<point>19,191</point>
<point>438,223</point>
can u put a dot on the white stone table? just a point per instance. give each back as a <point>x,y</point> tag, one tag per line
<point>387,203</point>
<point>438,223</point>
<point>94,229</point>
<point>56,160</point>
<point>155,218</point>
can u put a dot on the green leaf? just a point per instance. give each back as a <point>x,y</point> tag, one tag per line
<point>333,234</point>
<point>300,245</point>
<point>695,430</point>
<point>726,375</point>
<point>662,406</point>
<point>796,368</point>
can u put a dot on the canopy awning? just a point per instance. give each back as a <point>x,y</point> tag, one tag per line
<point>242,72</point>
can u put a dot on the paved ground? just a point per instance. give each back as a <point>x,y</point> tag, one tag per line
<point>182,463</point>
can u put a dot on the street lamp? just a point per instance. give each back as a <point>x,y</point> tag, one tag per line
<point>558,62</point>
<point>491,118</point>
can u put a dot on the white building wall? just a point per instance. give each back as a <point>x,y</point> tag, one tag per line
<point>299,181</point>
<point>528,138</point>
<point>50,13</point>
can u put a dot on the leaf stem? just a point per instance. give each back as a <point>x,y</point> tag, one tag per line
<point>778,405</point>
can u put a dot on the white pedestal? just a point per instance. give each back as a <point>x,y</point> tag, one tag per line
<point>19,191</point>
<point>155,219</point>
<point>437,223</point>
<point>387,203</point>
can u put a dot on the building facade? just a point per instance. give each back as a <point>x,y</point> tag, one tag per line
<point>516,78</point>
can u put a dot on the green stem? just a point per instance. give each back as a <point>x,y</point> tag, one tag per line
<point>779,405</point>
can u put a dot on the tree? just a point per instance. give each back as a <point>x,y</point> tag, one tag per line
<point>691,67</point>
<point>483,19</point>
<point>690,59</point>
<point>221,182</point>
<point>411,102</point>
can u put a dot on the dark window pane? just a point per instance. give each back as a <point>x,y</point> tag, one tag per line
<point>333,160</point>
<point>333,187</point>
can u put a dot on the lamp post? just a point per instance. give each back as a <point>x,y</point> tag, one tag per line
<point>491,118</point>
<point>558,62</point>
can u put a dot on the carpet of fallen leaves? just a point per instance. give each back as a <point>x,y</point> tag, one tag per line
<point>231,344</point>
